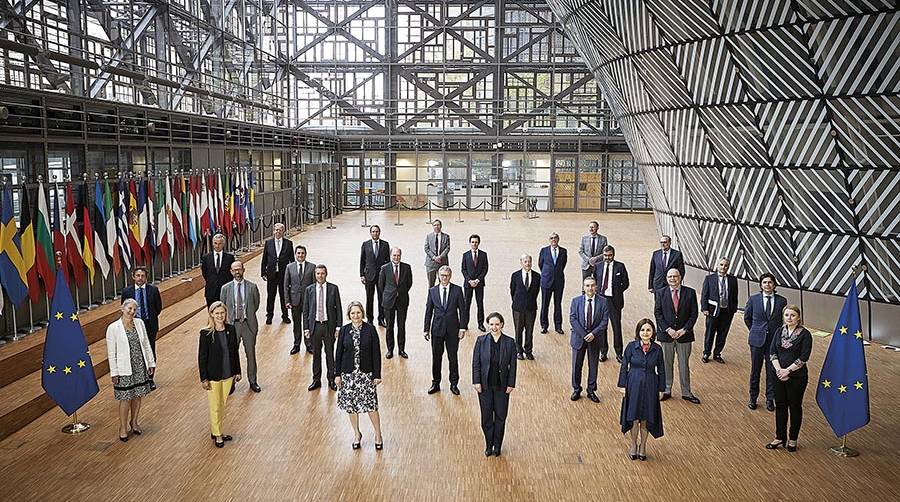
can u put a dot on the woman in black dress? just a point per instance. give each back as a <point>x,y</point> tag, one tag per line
<point>641,378</point>
<point>220,367</point>
<point>358,355</point>
<point>790,352</point>
<point>494,378</point>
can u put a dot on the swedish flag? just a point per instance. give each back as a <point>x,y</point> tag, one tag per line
<point>842,391</point>
<point>67,374</point>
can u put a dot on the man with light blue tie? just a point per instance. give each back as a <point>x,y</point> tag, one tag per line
<point>149,305</point>
<point>552,262</point>
<point>588,317</point>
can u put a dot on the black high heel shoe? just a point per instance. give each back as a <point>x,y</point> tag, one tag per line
<point>774,445</point>
<point>792,447</point>
<point>379,446</point>
<point>633,454</point>
<point>358,444</point>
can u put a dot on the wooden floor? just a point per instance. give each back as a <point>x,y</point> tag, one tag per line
<point>293,444</point>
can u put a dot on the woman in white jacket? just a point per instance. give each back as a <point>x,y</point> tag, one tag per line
<point>131,366</point>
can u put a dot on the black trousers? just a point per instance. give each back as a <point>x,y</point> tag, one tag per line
<point>450,341</point>
<point>479,300</point>
<point>759,356</point>
<point>398,313</point>
<point>299,322</point>
<point>615,322</point>
<point>494,405</point>
<point>524,323</point>
<point>320,335</point>
<point>716,333</point>
<point>275,284</point>
<point>370,306</point>
<point>546,295</point>
<point>592,350</point>
<point>789,401</point>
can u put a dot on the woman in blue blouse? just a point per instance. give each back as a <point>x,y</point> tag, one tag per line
<point>641,378</point>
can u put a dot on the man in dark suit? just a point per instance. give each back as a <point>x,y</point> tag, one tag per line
<point>612,281</point>
<point>524,285</point>
<point>675,307</point>
<point>298,276</point>
<point>718,302</point>
<point>322,311</point>
<point>552,262</point>
<point>446,322</point>
<point>762,315</point>
<point>373,254</point>
<point>588,318</point>
<point>474,269</point>
<point>216,269</point>
<point>277,254</point>
<point>149,303</point>
<point>394,283</point>
<point>663,260</point>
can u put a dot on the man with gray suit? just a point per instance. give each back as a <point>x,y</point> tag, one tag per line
<point>241,298</point>
<point>297,277</point>
<point>322,312</point>
<point>394,283</point>
<point>591,250</point>
<point>437,248</point>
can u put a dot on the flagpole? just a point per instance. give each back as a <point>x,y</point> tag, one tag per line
<point>75,427</point>
<point>843,450</point>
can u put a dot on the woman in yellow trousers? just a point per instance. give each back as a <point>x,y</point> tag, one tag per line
<point>220,367</point>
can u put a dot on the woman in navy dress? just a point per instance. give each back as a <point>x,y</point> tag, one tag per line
<point>641,378</point>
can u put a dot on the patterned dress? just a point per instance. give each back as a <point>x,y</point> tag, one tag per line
<point>137,384</point>
<point>357,393</point>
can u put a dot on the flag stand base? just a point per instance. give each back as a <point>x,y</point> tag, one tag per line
<point>75,427</point>
<point>843,451</point>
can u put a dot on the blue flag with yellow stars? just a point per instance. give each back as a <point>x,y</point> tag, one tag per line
<point>842,391</point>
<point>67,374</point>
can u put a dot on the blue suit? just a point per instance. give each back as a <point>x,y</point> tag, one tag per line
<point>763,328</point>
<point>443,322</point>
<point>580,347</point>
<point>553,281</point>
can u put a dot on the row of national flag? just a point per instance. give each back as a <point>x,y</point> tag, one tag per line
<point>127,223</point>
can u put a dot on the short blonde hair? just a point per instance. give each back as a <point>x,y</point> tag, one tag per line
<point>796,309</point>
<point>356,304</point>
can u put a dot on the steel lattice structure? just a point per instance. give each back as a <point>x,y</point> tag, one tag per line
<point>768,131</point>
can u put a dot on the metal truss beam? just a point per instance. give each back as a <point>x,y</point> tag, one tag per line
<point>24,36</point>
<point>14,12</point>
<point>124,51</point>
<point>548,102</point>
<point>348,107</point>
<point>341,30</point>
<point>346,94</point>
<point>363,8</point>
<point>446,100</point>
<point>441,27</point>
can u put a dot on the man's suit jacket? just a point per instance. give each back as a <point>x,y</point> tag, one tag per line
<point>393,294</point>
<point>577,320</point>
<point>332,306</point>
<point>370,263</point>
<point>295,282</point>
<point>762,327</point>
<point>553,275</point>
<point>481,361</point>
<point>585,250</point>
<point>619,280</point>
<point>251,303</point>
<point>658,271</point>
<point>154,305</point>
<point>215,279</point>
<point>431,250</point>
<point>271,261</point>
<point>470,271</point>
<point>711,292</point>
<point>666,317</point>
<point>446,320</point>
<point>524,300</point>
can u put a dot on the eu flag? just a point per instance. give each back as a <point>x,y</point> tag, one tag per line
<point>842,391</point>
<point>67,374</point>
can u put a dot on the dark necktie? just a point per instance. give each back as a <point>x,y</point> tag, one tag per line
<point>142,305</point>
<point>218,262</point>
<point>769,306</point>
<point>475,259</point>
<point>605,278</point>
<point>593,246</point>
<point>527,280</point>
<point>396,274</point>
<point>239,302</point>
<point>444,297</point>
<point>723,293</point>
<point>590,315</point>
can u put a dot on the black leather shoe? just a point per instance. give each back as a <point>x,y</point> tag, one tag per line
<point>389,355</point>
<point>123,439</point>
<point>792,447</point>
<point>520,356</point>
<point>286,320</point>
<point>314,386</point>
<point>619,358</point>
<point>225,437</point>
<point>530,357</point>
<point>309,351</point>
<point>543,331</point>
<point>404,355</point>
<point>496,452</point>
<point>774,445</point>
<point>603,357</point>
<point>691,399</point>
<point>454,389</point>
<point>481,328</point>
<point>576,396</point>
<point>593,397</point>
<point>268,320</point>
<point>719,359</point>
<point>665,397</point>
<point>751,405</point>
<point>152,385</point>
<point>332,385</point>
<point>220,444</point>
<point>770,406</point>
<point>295,350</point>
<point>255,387</point>
<point>382,323</point>
<point>642,458</point>
<point>488,452</point>
<point>434,388</point>
<point>560,331</point>
<point>705,359</point>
